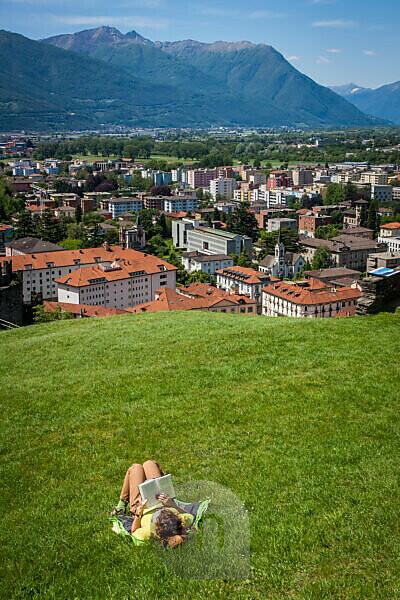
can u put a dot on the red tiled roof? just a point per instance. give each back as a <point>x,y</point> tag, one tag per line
<point>252,276</point>
<point>5,227</point>
<point>311,292</point>
<point>82,309</point>
<point>132,259</point>
<point>171,300</point>
<point>391,226</point>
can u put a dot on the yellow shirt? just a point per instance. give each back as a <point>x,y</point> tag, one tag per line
<point>147,527</point>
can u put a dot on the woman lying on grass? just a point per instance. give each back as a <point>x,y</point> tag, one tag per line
<point>165,522</point>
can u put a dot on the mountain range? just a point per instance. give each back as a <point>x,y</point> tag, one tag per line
<point>382,102</point>
<point>102,77</point>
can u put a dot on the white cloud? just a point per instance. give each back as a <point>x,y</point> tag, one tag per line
<point>335,24</point>
<point>322,60</point>
<point>370,53</point>
<point>335,50</point>
<point>139,22</point>
<point>294,58</point>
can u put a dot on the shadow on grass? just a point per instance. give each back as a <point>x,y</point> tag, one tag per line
<point>220,549</point>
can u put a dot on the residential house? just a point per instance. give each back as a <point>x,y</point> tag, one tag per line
<point>207,263</point>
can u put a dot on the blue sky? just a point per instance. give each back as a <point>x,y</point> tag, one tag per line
<point>332,41</point>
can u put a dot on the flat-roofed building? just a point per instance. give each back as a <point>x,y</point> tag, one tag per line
<point>382,193</point>
<point>122,206</point>
<point>383,260</point>
<point>277,224</point>
<point>217,241</point>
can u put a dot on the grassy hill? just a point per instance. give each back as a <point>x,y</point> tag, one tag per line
<point>299,418</point>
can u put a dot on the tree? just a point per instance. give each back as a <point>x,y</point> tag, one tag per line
<point>78,213</point>
<point>71,244</point>
<point>200,277</point>
<point>334,194</point>
<point>350,192</point>
<point>243,222</point>
<point>327,232</point>
<point>41,316</point>
<point>243,260</point>
<point>162,222</point>
<point>25,225</point>
<point>160,190</point>
<point>373,221</point>
<point>322,259</point>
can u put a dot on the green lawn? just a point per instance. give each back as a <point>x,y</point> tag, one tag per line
<point>167,158</point>
<point>300,419</point>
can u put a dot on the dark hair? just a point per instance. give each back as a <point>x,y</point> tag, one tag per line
<point>168,525</point>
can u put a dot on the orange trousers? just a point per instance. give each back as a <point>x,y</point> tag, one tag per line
<point>135,475</point>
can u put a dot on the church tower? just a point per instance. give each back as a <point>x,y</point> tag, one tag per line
<point>280,258</point>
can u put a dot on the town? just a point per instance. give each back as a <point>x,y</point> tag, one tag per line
<point>98,236</point>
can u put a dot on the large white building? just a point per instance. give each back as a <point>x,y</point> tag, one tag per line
<point>223,187</point>
<point>40,272</point>
<point>311,298</point>
<point>121,284</point>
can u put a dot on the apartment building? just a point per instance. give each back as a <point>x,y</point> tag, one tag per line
<point>383,260</point>
<point>174,204</point>
<point>302,177</point>
<point>222,188</point>
<point>308,299</point>
<point>39,272</point>
<point>278,224</point>
<point>382,193</point>
<point>217,241</point>
<point>389,234</point>
<point>308,224</point>
<point>198,296</point>
<point>200,178</point>
<point>374,178</point>
<point>121,206</point>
